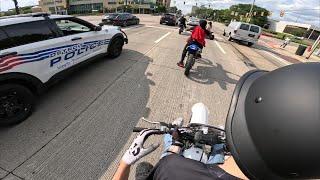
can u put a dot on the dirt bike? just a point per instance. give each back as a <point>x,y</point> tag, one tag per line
<point>181,28</point>
<point>194,52</point>
<point>196,136</point>
<point>210,36</point>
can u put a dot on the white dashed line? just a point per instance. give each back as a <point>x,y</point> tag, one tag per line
<point>160,27</point>
<point>278,58</point>
<point>221,49</point>
<point>162,37</point>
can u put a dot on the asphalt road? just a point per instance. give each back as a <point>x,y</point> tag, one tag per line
<point>82,125</point>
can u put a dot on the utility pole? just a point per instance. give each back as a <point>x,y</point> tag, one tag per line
<point>125,5</point>
<point>311,33</point>
<point>250,13</point>
<point>55,6</point>
<point>314,47</point>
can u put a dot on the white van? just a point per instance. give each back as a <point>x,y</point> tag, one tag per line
<point>243,32</point>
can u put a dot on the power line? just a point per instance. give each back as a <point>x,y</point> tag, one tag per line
<point>302,10</point>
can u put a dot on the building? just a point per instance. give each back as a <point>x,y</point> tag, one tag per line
<point>89,6</point>
<point>86,6</point>
<point>54,6</point>
<point>165,3</point>
<point>298,29</point>
<point>194,9</point>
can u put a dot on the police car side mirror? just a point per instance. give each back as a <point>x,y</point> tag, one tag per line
<point>97,28</point>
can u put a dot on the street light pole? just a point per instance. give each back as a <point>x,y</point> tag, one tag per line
<point>91,6</point>
<point>250,13</point>
<point>55,6</point>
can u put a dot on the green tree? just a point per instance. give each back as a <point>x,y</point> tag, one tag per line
<point>244,9</point>
<point>16,6</point>
<point>225,15</point>
<point>173,9</point>
<point>161,9</point>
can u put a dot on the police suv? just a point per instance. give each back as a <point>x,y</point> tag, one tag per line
<point>37,49</point>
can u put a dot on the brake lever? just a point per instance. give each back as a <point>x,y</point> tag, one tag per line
<point>151,122</point>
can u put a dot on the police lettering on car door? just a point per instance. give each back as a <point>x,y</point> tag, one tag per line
<point>65,56</point>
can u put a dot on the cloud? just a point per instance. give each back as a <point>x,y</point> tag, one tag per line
<point>305,11</point>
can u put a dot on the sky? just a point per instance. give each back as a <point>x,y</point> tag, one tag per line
<point>302,11</point>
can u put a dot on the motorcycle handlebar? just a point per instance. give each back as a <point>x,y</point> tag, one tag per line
<point>138,129</point>
<point>199,137</point>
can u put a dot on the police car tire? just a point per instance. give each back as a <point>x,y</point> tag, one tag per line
<point>25,96</point>
<point>115,48</point>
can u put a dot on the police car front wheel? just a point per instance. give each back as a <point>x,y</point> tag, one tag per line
<point>16,103</point>
<point>115,48</point>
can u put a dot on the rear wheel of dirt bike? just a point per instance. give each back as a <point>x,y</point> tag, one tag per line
<point>188,65</point>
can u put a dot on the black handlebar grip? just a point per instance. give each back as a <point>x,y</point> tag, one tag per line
<point>138,129</point>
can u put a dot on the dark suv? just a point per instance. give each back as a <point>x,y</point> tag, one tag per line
<point>169,19</point>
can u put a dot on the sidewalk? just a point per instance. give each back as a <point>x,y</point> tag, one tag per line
<point>287,53</point>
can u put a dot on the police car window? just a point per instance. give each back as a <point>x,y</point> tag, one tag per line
<point>244,27</point>
<point>29,32</point>
<point>69,27</point>
<point>254,29</point>
<point>4,41</point>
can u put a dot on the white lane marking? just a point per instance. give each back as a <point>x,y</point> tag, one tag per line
<point>278,58</point>
<point>219,38</point>
<point>221,49</point>
<point>159,27</point>
<point>162,37</point>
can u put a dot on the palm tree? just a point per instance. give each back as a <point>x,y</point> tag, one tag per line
<point>16,6</point>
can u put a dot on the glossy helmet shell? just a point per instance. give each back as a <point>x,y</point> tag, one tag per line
<point>273,123</point>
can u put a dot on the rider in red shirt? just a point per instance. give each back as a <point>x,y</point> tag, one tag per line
<point>197,37</point>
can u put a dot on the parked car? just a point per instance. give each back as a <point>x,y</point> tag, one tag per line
<point>108,18</point>
<point>38,49</point>
<point>169,19</point>
<point>249,33</point>
<point>121,19</point>
<point>193,21</point>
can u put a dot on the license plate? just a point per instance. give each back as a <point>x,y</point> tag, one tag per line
<point>166,21</point>
<point>251,35</point>
<point>108,20</point>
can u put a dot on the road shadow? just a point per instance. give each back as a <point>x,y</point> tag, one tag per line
<point>186,33</point>
<point>89,115</point>
<point>210,73</point>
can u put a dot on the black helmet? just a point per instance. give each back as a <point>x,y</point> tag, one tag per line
<point>273,123</point>
<point>203,23</point>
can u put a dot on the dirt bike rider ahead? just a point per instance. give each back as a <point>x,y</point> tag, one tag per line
<point>182,21</point>
<point>272,131</point>
<point>197,37</point>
